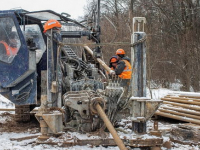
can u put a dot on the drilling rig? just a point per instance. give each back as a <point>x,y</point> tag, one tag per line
<point>73,92</point>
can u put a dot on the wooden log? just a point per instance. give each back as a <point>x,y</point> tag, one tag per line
<point>180,109</point>
<point>180,114</point>
<point>177,117</point>
<point>181,101</point>
<point>183,105</point>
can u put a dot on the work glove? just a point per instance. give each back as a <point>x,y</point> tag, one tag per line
<point>112,73</point>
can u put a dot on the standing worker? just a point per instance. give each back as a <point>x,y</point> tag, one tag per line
<point>123,68</point>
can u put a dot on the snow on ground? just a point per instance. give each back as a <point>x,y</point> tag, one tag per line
<point>5,103</point>
<point>7,144</point>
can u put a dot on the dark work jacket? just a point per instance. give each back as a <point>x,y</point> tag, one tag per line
<point>121,65</point>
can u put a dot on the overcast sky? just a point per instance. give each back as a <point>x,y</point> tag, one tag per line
<point>72,7</point>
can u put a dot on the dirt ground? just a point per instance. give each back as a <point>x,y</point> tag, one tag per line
<point>10,125</point>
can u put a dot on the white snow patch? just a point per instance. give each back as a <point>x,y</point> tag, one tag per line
<point>5,103</point>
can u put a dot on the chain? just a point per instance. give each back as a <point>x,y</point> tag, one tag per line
<point>139,41</point>
<point>105,44</point>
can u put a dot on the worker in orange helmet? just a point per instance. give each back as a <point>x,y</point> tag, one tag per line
<point>50,24</point>
<point>123,68</point>
<point>113,62</point>
<point>55,26</point>
<point>10,48</point>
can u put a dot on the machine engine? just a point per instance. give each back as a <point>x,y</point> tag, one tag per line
<point>84,87</point>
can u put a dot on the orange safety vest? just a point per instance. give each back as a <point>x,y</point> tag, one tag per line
<point>9,50</point>
<point>126,74</point>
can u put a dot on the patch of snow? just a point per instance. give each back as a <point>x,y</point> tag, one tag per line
<point>5,103</point>
<point>157,94</point>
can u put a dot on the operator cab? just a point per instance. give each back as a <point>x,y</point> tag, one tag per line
<point>22,53</point>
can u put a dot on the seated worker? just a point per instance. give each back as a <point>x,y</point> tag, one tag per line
<point>123,68</point>
<point>113,62</point>
<point>9,49</point>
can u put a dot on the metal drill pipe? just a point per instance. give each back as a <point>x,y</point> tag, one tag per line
<point>101,62</point>
<point>177,117</point>
<point>110,127</point>
<point>182,98</point>
<point>182,105</point>
<point>193,112</point>
<point>179,113</point>
<point>181,101</point>
<point>189,96</point>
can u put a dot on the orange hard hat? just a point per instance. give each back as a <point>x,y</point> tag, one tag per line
<point>120,51</point>
<point>113,59</point>
<point>51,24</point>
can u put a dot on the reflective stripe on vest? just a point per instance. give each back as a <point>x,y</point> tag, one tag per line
<point>126,74</point>
<point>9,50</point>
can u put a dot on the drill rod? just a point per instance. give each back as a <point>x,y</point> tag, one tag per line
<point>110,127</point>
<point>101,62</point>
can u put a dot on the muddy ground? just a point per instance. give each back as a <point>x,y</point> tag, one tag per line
<point>10,125</point>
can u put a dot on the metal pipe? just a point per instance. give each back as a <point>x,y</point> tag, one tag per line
<point>179,113</point>
<point>183,110</point>
<point>183,105</point>
<point>177,117</point>
<point>181,101</point>
<point>189,96</point>
<point>110,127</point>
<point>101,62</point>
<point>183,98</point>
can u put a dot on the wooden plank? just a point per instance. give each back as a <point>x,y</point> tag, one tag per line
<point>24,138</point>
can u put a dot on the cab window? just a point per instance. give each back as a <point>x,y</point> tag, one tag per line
<point>33,32</point>
<point>9,40</point>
